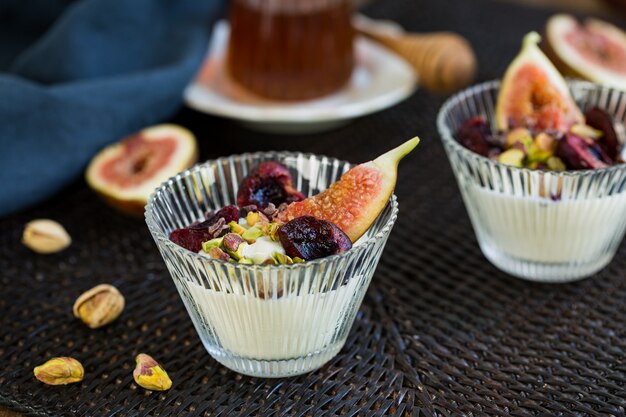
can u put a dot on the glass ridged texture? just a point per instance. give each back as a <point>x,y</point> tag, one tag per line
<point>538,225</point>
<point>264,320</point>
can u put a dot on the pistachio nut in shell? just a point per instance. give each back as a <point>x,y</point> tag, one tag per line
<point>99,306</point>
<point>45,236</point>
<point>60,371</point>
<point>149,374</point>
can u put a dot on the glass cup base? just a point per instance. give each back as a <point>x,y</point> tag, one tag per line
<point>276,368</point>
<point>543,271</point>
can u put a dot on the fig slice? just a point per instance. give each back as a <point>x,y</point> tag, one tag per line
<point>354,202</point>
<point>594,50</point>
<point>533,93</point>
<point>125,173</point>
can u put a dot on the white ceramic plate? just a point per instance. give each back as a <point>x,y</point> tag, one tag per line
<point>380,80</point>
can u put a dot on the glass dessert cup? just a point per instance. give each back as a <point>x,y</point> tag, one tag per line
<point>538,225</point>
<point>264,320</point>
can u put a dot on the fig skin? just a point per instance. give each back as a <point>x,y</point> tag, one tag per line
<point>134,205</point>
<point>308,238</point>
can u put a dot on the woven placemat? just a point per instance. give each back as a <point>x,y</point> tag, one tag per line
<point>440,332</point>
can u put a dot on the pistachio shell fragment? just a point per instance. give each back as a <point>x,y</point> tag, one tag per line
<point>99,306</point>
<point>513,157</point>
<point>45,236</point>
<point>149,374</point>
<point>60,371</point>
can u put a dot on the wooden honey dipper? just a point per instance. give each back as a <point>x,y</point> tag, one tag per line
<point>444,61</point>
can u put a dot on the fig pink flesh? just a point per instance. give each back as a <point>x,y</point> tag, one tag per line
<point>139,159</point>
<point>598,48</point>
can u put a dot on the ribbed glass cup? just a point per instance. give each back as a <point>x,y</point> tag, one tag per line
<point>264,320</point>
<point>538,225</point>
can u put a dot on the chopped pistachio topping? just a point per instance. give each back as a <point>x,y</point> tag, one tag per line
<point>282,259</point>
<point>213,243</point>
<point>519,135</point>
<point>555,163</point>
<point>252,234</point>
<point>252,218</point>
<point>236,228</point>
<point>246,261</point>
<point>514,157</point>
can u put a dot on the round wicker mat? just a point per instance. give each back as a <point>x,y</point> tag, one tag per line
<point>441,331</point>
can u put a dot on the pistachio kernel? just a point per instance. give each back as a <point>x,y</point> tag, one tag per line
<point>60,371</point>
<point>213,243</point>
<point>546,142</point>
<point>252,234</point>
<point>556,164</point>
<point>247,261</point>
<point>252,218</point>
<point>520,134</point>
<point>99,306</point>
<point>272,231</point>
<point>282,259</point>
<point>236,228</point>
<point>45,236</point>
<point>149,374</point>
<point>513,157</point>
<point>234,245</point>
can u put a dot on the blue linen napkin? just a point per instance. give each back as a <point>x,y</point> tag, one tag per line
<point>104,69</point>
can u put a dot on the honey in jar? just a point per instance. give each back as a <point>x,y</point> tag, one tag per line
<point>291,49</point>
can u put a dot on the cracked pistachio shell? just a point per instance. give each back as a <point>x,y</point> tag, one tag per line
<point>149,374</point>
<point>60,371</point>
<point>45,236</point>
<point>99,306</point>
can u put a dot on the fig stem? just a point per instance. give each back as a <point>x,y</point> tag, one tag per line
<point>531,39</point>
<point>393,157</point>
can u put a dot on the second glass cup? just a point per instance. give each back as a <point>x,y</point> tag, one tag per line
<point>538,225</point>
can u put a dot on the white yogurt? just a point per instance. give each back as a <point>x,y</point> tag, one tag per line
<point>543,230</point>
<point>262,249</point>
<point>274,329</point>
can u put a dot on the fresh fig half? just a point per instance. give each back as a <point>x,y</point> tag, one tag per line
<point>581,153</point>
<point>533,93</point>
<point>125,174</point>
<point>601,120</point>
<point>354,202</point>
<point>594,50</point>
